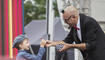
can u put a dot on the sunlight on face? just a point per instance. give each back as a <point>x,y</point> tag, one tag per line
<point>70,16</point>
<point>71,20</point>
<point>25,45</point>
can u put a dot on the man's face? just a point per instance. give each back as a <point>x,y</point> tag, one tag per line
<point>25,45</point>
<point>71,20</point>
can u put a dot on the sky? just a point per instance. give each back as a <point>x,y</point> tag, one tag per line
<point>29,0</point>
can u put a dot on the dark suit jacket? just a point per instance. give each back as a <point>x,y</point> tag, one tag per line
<point>93,36</point>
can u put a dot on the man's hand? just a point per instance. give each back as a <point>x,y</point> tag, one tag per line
<point>65,47</point>
<point>53,43</point>
<point>50,43</point>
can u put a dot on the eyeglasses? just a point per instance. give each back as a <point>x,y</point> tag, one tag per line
<point>72,16</point>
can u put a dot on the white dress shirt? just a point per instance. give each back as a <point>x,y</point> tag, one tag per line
<point>79,31</point>
<point>78,54</point>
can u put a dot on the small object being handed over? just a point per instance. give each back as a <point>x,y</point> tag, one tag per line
<point>59,47</point>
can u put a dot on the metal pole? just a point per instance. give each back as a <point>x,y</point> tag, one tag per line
<point>47,15</point>
<point>50,17</point>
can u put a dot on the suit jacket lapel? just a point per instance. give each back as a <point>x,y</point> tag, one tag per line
<point>82,26</point>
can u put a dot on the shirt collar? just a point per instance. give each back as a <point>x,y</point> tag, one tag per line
<point>78,23</point>
<point>22,50</point>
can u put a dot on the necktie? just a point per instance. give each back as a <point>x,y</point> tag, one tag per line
<point>75,27</point>
<point>76,39</point>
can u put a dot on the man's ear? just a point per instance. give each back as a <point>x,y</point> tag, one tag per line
<point>62,11</point>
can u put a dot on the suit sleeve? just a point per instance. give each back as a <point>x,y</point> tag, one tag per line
<point>90,30</point>
<point>34,57</point>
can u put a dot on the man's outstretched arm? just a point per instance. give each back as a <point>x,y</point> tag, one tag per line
<point>54,43</point>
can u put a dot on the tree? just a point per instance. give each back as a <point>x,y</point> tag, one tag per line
<point>28,8</point>
<point>36,11</point>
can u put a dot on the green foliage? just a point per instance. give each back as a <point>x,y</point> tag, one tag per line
<point>28,8</point>
<point>56,9</point>
<point>36,11</point>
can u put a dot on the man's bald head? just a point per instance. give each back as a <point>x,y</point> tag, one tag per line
<point>70,15</point>
<point>70,10</point>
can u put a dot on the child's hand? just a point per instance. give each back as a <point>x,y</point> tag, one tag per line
<point>48,42</point>
<point>43,43</point>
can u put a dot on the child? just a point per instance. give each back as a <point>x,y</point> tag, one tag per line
<point>21,43</point>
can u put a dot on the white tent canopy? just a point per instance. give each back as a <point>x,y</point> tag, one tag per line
<point>37,29</point>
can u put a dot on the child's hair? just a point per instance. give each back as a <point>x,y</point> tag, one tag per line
<point>17,45</point>
<point>18,40</point>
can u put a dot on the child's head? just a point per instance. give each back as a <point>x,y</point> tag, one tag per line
<point>21,42</point>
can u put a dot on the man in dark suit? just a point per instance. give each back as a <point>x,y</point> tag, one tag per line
<point>87,34</point>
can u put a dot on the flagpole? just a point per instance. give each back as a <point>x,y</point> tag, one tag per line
<point>50,28</point>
